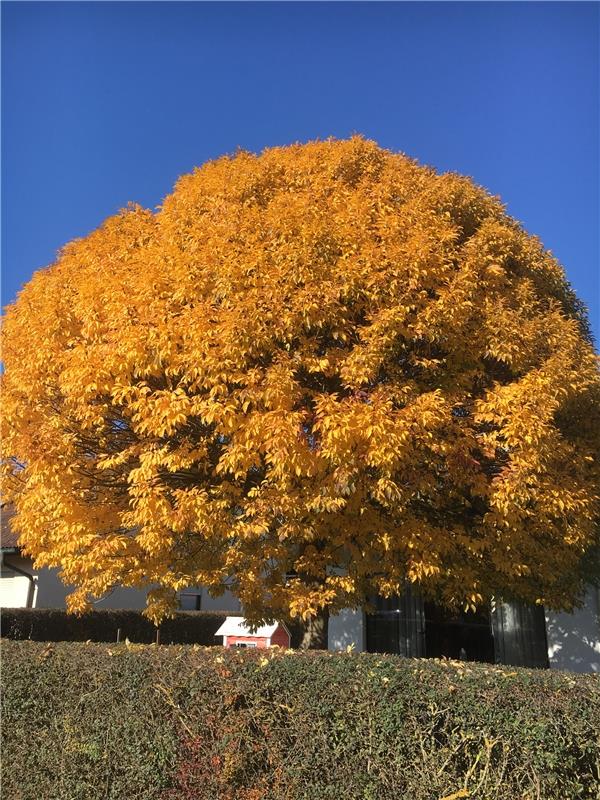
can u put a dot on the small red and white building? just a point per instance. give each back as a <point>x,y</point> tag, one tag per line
<point>236,633</point>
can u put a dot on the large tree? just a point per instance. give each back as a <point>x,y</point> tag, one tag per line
<point>311,375</point>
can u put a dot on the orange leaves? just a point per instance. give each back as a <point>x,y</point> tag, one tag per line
<point>324,360</point>
<point>160,413</point>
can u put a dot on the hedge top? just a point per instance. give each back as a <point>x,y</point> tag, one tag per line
<point>104,722</point>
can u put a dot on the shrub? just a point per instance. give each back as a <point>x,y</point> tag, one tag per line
<point>97,722</point>
<point>55,625</point>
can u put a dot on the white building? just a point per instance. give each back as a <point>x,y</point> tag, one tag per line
<point>22,586</point>
<point>509,633</point>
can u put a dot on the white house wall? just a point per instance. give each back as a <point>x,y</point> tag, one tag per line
<point>50,591</point>
<point>16,590</point>
<point>226,602</point>
<point>347,629</point>
<point>574,639</point>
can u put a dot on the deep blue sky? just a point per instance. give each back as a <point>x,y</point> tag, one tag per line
<point>104,103</point>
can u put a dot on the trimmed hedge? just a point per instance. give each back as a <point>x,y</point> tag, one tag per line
<point>55,625</point>
<point>98,722</point>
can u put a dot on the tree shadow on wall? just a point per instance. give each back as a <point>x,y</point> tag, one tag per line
<point>574,640</point>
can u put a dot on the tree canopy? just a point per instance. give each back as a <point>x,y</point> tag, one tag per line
<point>312,375</point>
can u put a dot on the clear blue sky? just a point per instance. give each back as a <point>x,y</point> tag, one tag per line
<point>104,103</point>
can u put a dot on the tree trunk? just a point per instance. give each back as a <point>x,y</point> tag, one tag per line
<point>315,633</point>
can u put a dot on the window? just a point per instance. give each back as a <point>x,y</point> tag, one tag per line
<point>397,625</point>
<point>190,600</point>
<point>508,633</point>
<point>520,634</point>
<point>461,635</point>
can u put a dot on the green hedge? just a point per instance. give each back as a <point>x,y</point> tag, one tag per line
<point>102,722</point>
<point>55,625</point>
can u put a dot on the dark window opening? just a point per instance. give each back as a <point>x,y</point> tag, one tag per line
<point>190,601</point>
<point>397,625</point>
<point>520,635</point>
<point>509,633</point>
<point>461,635</point>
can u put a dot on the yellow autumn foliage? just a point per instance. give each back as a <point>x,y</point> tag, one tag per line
<point>313,374</point>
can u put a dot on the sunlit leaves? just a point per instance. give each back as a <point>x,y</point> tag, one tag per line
<point>311,375</point>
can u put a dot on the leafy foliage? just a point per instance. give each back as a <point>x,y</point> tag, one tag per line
<point>313,374</point>
<point>97,722</point>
